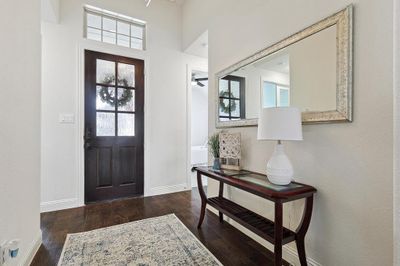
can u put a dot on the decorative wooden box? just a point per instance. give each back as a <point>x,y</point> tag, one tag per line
<point>230,150</point>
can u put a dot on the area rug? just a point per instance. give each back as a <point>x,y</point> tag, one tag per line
<point>161,240</point>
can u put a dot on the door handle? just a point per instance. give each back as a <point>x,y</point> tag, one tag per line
<point>87,145</point>
<point>87,138</point>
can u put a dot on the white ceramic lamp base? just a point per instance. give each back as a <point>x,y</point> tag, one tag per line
<point>279,167</point>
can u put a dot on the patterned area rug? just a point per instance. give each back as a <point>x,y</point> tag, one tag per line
<point>156,241</point>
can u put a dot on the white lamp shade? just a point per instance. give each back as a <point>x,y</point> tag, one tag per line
<point>281,123</point>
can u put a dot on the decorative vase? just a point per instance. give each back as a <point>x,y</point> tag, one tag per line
<point>217,164</point>
<point>279,167</point>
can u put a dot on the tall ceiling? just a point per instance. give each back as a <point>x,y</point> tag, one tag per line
<point>200,46</point>
<point>50,10</point>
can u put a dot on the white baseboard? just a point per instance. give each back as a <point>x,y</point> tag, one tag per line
<point>63,204</point>
<point>204,180</point>
<point>293,257</point>
<point>289,253</point>
<point>56,205</point>
<point>167,189</point>
<point>32,249</point>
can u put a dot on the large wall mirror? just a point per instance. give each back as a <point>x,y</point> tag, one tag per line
<point>311,70</point>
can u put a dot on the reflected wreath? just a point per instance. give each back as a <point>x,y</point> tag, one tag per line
<point>112,98</point>
<point>225,108</point>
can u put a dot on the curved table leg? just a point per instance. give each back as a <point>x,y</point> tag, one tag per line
<point>203,199</point>
<point>221,194</point>
<point>302,230</point>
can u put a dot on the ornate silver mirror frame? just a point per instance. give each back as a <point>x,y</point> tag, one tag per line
<point>344,86</point>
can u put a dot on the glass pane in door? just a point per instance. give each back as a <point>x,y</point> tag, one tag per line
<point>105,98</point>
<point>105,124</point>
<point>126,75</point>
<point>126,124</point>
<point>105,72</point>
<point>126,100</point>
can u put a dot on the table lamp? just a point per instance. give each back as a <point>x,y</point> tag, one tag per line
<point>281,123</point>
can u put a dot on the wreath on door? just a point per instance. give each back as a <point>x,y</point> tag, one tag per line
<point>231,106</point>
<point>112,98</point>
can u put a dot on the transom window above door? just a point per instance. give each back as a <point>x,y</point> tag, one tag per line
<point>115,99</point>
<point>109,27</point>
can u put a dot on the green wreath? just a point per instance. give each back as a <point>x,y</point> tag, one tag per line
<point>106,97</point>
<point>225,108</point>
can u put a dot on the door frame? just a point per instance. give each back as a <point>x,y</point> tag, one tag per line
<point>189,69</point>
<point>396,134</point>
<point>80,108</point>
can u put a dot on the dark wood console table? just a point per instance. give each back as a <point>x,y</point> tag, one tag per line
<point>258,184</point>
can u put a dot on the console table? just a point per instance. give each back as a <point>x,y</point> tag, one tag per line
<point>258,184</point>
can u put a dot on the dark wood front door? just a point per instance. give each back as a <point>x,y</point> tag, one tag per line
<point>114,126</point>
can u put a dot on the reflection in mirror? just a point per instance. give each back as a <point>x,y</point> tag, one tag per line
<point>302,75</point>
<point>310,70</point>
<point>232,98</point>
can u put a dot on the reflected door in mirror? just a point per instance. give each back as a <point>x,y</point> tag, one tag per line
<point>232,98</point>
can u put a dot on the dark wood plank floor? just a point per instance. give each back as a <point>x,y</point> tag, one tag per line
<point>228,244</point>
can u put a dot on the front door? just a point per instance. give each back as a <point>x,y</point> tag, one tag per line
<point>114,126</point>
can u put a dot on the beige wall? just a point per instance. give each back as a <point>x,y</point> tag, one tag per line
<point>396,146</point>
<point>350,164</point>
<point>20,126</point>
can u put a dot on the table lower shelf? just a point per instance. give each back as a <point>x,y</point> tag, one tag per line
<point>252,221</point>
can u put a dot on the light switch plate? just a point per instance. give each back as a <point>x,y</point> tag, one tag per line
<point>66,118</point>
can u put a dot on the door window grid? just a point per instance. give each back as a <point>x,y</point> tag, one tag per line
<point>115,120</point>
<point>109,27</point>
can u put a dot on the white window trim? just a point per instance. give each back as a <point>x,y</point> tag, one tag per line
<point>278,93</point>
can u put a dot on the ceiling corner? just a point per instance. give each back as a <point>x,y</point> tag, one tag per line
<point>50,10</point>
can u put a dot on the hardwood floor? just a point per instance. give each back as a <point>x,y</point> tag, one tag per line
<point>228,244</point>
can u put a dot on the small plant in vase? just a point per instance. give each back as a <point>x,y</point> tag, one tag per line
<point>213,143</point>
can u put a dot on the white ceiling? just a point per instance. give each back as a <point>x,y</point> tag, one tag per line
<point>200,46</point>
<point>276,62</point>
